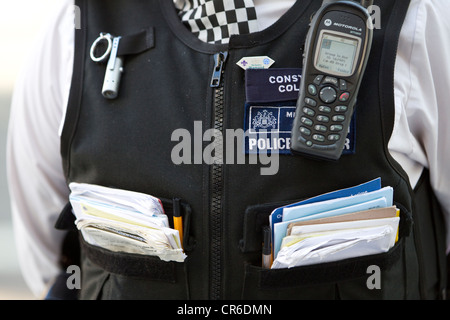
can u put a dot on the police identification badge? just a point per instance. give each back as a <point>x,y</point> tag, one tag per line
<point>271,96</point>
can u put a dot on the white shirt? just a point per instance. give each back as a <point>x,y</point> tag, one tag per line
<point>421,136</point>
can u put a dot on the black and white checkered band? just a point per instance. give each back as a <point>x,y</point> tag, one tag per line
<point>214,21</point>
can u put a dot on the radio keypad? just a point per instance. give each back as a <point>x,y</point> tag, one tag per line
<point>318,80</point>
<point>309,112</point>
<point>339,118</point>
<point>325,109</point>
<point>336,127</point>
<point>331,80</point>
<point>323,119</point>
<point>328,94</point>
<point>307,121</point>
<point>342,85</point>
<point>305,131</point>
<point>312,90</point>
<point>323,123</point>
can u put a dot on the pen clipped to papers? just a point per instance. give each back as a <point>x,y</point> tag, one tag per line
<point>267,248</point>
<point>178,219</point>
<point>125,221</point>
<point>347,223</point>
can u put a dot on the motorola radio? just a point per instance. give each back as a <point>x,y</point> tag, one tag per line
<point>336,52</point>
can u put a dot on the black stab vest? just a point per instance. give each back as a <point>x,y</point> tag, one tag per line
<point>126,143</point>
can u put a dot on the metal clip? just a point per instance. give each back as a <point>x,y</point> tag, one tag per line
<point>114,68</point>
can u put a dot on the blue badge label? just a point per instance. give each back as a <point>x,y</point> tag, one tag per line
<point>271,85</point>
<point>269,129</point>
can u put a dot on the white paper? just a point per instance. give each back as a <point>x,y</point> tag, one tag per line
<point>280,229</point>
<point>124,221</point>
<point>349,225</point>
<point>329,246</point>
<point>134,202</point>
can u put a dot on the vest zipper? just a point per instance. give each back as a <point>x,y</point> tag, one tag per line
<point>217,180</point>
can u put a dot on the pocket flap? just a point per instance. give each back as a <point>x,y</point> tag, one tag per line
<point>132,265</point>
<point>328,272</point>
<point>255,218</point>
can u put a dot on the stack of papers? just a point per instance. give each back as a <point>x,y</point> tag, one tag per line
<point>124,221</point>
<point>343,224</point>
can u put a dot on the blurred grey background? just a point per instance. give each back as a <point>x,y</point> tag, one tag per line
<point>20,23</point>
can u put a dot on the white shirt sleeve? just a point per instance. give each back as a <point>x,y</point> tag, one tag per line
<point>421,136</point>
<point>36,181</point>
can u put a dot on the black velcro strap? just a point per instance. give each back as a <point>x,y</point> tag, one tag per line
<point>137,43</point>
<point>329,272</point>
<point>131,265</point>
<point>66,219</point>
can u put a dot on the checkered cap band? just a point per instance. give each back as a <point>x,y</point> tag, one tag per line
<point>214,21</point>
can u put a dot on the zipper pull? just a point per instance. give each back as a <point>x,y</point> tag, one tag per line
<point>219,61</point>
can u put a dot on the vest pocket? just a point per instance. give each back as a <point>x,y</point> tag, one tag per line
<point>118,275</point>
<point>379,276</point>
<point>110,275</point>
<point>347,279</point>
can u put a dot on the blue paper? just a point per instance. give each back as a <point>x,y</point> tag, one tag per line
<point>304,210</point>
<point>277,214</point>
<point>373,185</point>
<point>324,211</point>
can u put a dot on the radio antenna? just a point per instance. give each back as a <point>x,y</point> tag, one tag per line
<point>366,3</point>
<point>325,2</point>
